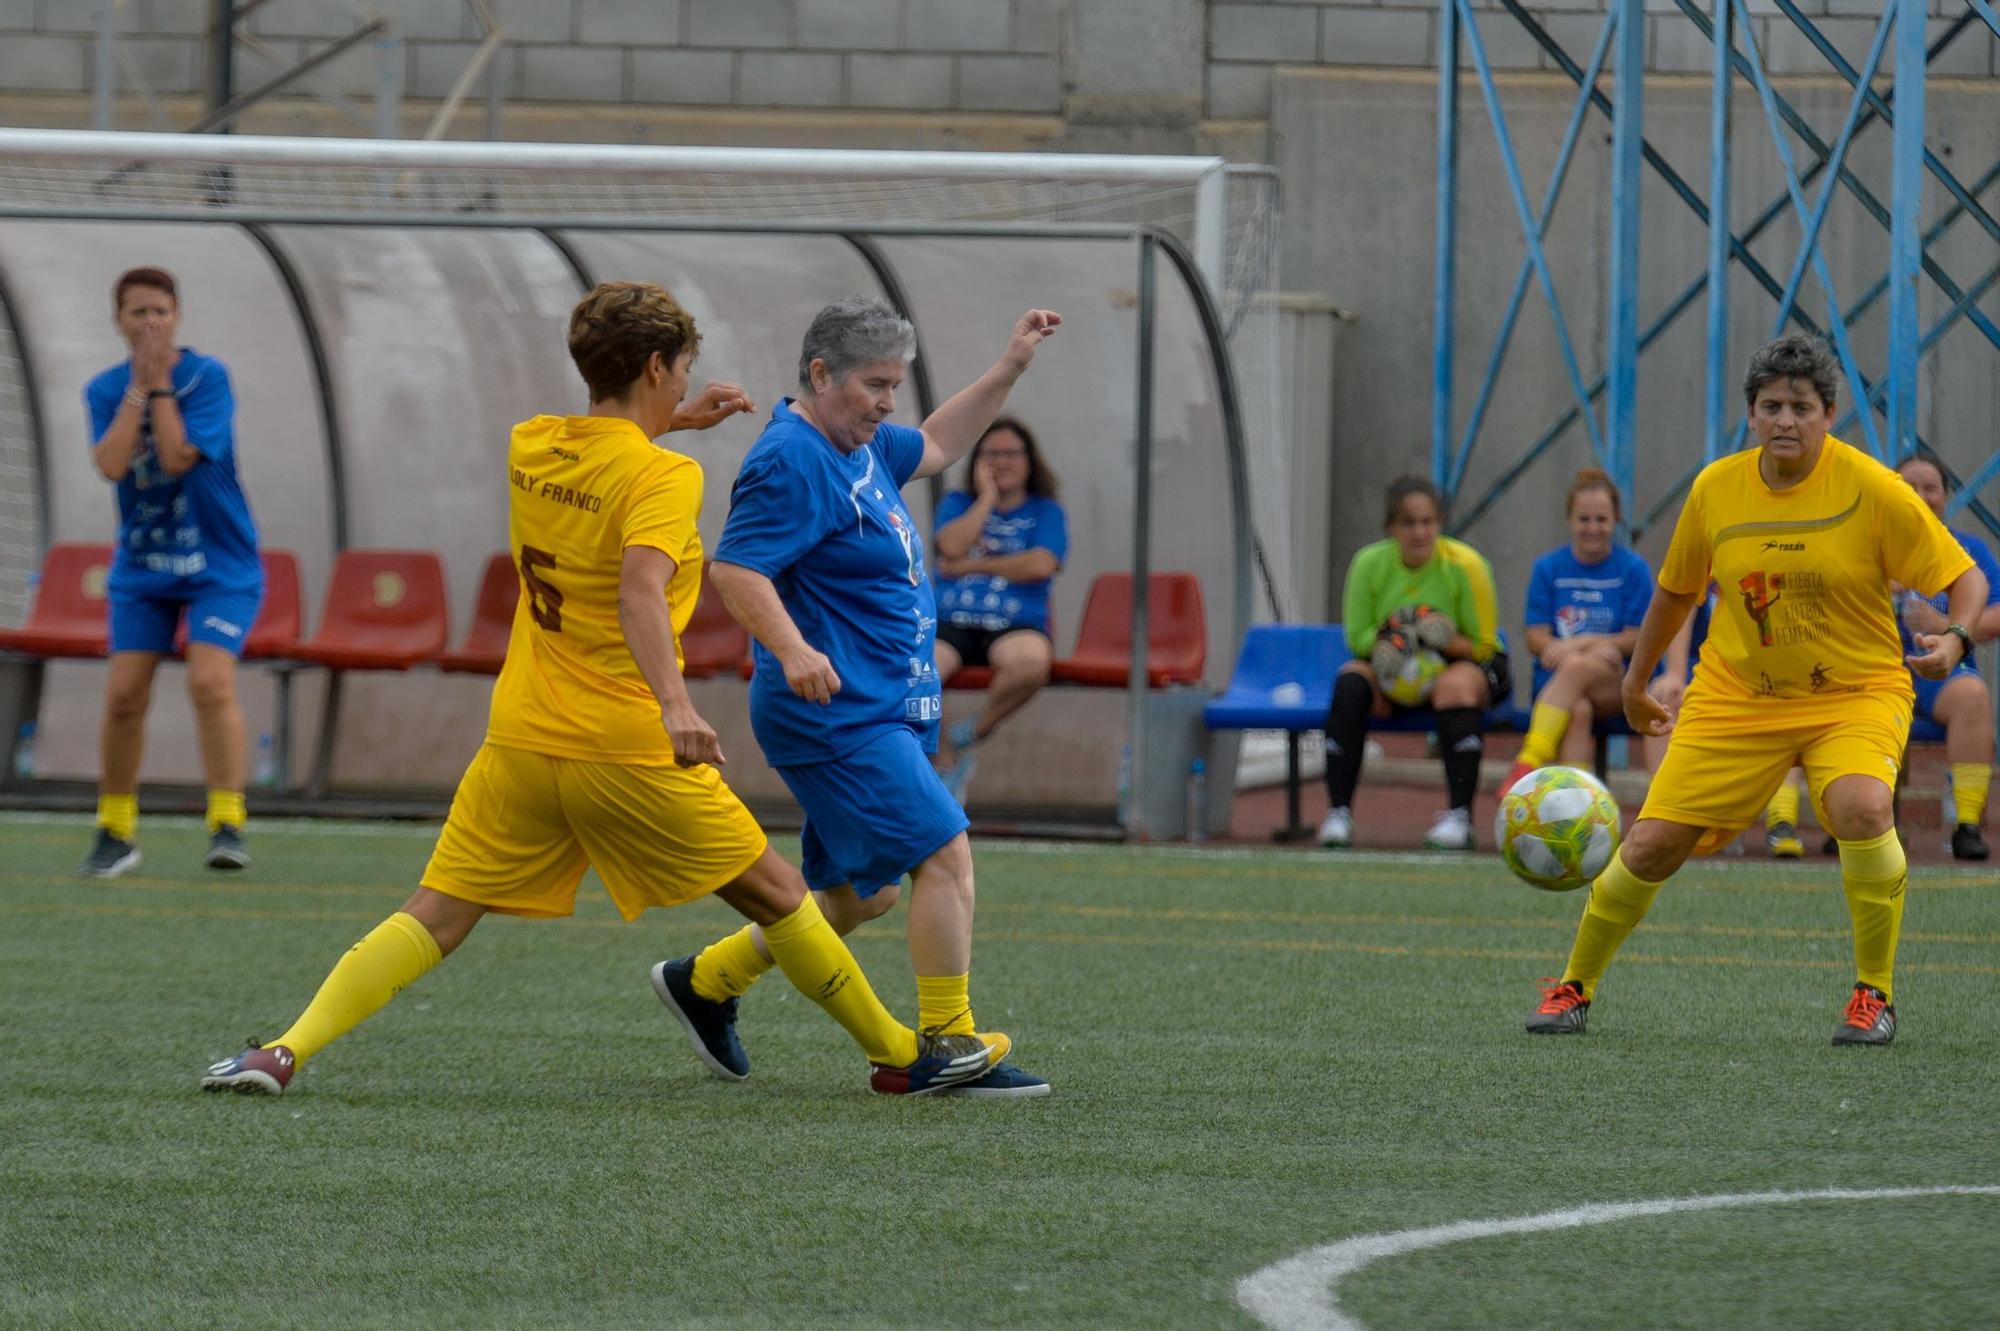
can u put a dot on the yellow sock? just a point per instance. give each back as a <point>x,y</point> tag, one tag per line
<point>225,806</point>
<point>394,954</point>
<point>1784,805</point>
<point>819,966</point>
<point>727,968</point>
<point>1618,901</point>
<point>119,815</point>
<point>1969,782</point>
<point>944,1004</point>
<point>1873,874</point>
<point>1547,725</point>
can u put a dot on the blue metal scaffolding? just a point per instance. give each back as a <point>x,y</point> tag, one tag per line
<point>1899,47</point>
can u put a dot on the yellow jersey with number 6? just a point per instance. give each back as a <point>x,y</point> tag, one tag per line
<point>581,490</point>
<point>1804,606</point>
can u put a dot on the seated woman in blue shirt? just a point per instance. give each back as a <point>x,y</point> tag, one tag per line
<point>1585,602</point>
<point>1000,542</point>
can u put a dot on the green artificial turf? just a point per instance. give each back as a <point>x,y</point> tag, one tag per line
<point>1253,1055</point>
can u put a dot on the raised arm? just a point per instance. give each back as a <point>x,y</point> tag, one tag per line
<point>753,600</point>
<point>952,430</point>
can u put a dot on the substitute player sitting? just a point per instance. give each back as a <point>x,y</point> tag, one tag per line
<point>1960,702</point>
<point>1804,535</point>
<point>594,754</point>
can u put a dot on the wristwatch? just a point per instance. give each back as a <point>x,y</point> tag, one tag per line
<point>1964,639</point>
<point>160,392</point>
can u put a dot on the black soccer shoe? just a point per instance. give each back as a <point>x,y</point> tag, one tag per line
<point>1967,843</point>
<point>710,1026</point>
<point>1870,1018</point>
<point>226,849</point>
<point>1564,1010</point>
<point>108,857</point>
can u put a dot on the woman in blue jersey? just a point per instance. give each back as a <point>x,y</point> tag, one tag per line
<point>1585,603</point>
<point>1000,541</point>
<point>163,431</point>
<point>823,564</point>
<point>1961,701</point>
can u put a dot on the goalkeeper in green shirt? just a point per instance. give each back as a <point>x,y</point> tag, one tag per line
<point>1422,624</point>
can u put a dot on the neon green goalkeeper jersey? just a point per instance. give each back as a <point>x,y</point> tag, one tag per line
<point>1456,581</point>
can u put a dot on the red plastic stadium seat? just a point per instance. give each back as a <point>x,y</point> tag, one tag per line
<point>485,645</point>
<point>978,677</point>
<point>1176,632</point>
<point>713,642</point>
<point>385,610</point>
<point>281,619</point>
<point>68,618</point>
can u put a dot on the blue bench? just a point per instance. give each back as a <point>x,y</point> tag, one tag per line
<point>1284,681</point>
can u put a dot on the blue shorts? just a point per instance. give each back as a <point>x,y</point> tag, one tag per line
<point>1928,689</point>
<point>874,815</point>
<point>221,618</point>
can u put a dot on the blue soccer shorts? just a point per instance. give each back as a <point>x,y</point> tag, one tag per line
<point>874,815</point>
<point>219,618</point>
<point>1928,689</point>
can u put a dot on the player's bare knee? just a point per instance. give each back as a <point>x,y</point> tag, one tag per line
<point>767,891</point>
<point>949,869</point>
<point>1655,849</point>
<point>1859,808</point>
<point>1461,685</point>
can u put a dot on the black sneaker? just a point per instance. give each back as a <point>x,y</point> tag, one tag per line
<point>108,857</point>
<point>1564,1010</point>
<point>1870,1018</point>
<point>1967,843</point>
<point>226,849</point>
<point>711,1025</point>
<point>1830,846</point>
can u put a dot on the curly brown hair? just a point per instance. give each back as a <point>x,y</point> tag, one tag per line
<point>616,328</point>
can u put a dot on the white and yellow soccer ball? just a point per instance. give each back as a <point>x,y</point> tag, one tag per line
<point>1557,828</point>
<point>1405,670</point>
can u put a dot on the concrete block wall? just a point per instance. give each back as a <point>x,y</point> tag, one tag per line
<point>1092,60</point>
<point>934,55</point>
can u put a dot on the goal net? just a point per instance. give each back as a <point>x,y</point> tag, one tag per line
<point>1226,216</point>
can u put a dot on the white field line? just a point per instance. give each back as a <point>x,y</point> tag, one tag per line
<point>1299,1294</point>
<point>420,829</point>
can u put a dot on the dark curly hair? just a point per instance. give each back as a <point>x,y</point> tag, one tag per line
<point>1794,356</point>
<point>618,326</point>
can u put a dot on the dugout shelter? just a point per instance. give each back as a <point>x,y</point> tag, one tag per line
<point>388,309</point>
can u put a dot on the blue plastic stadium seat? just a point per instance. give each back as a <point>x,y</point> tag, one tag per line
<point>1283,681</point>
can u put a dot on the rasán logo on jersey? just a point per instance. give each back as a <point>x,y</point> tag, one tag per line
<point>1782,545</point>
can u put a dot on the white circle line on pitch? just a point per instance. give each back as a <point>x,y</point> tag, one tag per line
<point>1298,1294</point>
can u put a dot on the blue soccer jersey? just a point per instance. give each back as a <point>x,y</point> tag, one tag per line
<point>1984,561</point>
<point>983,601</point>
<point>831,532</point>
<point>186,533</point>
<point>1572,598</point>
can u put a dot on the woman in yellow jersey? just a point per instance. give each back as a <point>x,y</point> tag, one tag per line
<point>1804,536</point>
<point>594,754</point>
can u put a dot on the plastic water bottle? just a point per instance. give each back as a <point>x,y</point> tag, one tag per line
<point>265,773</point>
<point>1948,806</point>
<point>24,752</point>
<point>1125,786</point>
<point>1197,802</point>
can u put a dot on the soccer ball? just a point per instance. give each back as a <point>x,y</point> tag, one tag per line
<point>1417,668</point>
<point>1557,828</point>
<point>1413,680</point>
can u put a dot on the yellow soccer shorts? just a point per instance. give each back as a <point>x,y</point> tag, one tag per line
<point>524,826</point>
<point>1727,755</point>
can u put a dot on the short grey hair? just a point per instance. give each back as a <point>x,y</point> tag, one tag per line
<point>855,331</point>
<point>1794,356</point>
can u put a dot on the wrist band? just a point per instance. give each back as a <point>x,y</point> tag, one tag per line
<point>161,392</point>
<point>134,398</point>
<point>1964,637</point>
